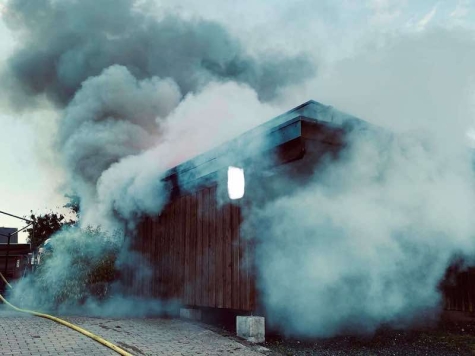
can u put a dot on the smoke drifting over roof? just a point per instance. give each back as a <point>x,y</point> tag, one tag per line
<point>369,240</point>
<point>66,42</point>
<point>117,73</point>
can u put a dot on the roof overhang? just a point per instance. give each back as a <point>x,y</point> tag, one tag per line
<point>277,141</point>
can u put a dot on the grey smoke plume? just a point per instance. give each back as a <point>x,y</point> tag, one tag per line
<point>365,243</point>
<point>113,116</point>
<point>136,95</point>
<point>199,123</point>
<point>66,42</point>
<point>117,73</point>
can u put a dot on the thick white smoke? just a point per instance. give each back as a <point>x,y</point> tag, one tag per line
<point>132,186</point>
<point>112,116</point>
<point>368,241</point>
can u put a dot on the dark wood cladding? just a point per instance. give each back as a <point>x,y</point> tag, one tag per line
<point>459,290</point>
<point>195,250</point>
<point>195,254</point>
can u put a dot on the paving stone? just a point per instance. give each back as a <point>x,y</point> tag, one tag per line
<point>21,334</point>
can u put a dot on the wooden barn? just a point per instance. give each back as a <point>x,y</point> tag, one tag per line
<point>196,248</point>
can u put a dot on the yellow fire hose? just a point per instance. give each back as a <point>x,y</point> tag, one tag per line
<point>6,282</point>
<point>99,339</point>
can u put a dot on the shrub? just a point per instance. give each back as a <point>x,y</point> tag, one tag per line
<point>81,265</point>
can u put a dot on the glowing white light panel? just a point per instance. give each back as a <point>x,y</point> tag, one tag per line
<point>236,183</point>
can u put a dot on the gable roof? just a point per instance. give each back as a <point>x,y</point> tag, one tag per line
<point>266,137</point>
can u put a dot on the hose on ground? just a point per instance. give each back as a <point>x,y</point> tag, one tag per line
<point>5,281</point>
<point>95,337</point>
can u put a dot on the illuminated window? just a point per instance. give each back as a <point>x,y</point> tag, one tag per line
<point>236,183</point>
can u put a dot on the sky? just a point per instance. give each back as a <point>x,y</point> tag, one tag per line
<point>328,31</point>
<point>28,180</point>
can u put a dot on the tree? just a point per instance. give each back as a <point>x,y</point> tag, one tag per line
<point>45,226</point>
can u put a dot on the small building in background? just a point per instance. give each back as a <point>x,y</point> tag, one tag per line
<point>5,231</point>
<point>17,253</point>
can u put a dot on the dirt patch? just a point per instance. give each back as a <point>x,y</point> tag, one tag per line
<point>448,337</point>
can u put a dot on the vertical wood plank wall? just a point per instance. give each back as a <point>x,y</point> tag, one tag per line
<point>195,253</point>
<point>459,295</point>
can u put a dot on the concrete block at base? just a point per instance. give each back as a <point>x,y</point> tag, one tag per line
<point>251,328</point>
<point>192,314</point>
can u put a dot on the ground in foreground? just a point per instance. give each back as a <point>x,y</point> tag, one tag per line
<point>21,334</point>
<point>451,336</point>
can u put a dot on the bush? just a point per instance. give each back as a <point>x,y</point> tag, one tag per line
<point>81,265</point>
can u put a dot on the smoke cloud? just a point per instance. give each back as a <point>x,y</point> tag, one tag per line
<point>368,240</point>
<point>192,52</point>
<point>136,94</point>
<point>117,75</point>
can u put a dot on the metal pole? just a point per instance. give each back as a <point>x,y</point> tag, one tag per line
<point>23,228</point>
<point>7,255</point>
<point>15,216</point>
<point>33,266</point>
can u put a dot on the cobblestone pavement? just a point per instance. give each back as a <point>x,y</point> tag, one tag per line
<point>21,334</point>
